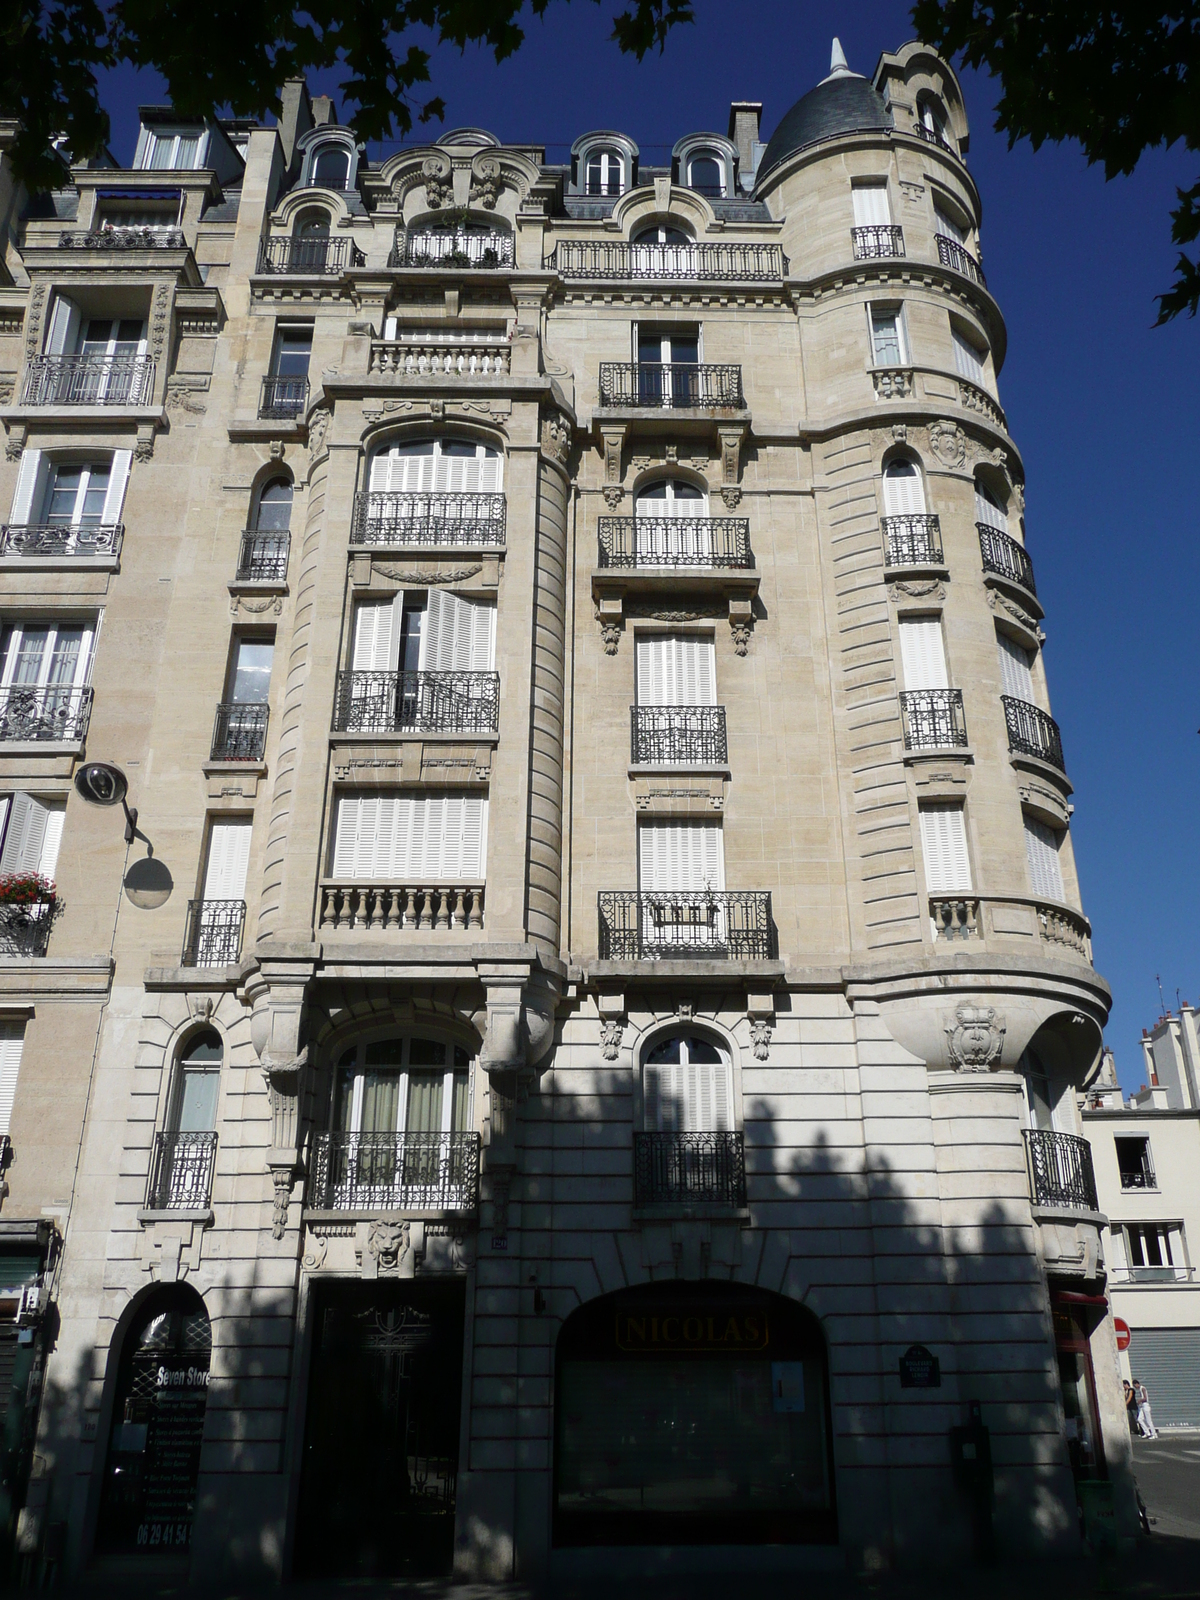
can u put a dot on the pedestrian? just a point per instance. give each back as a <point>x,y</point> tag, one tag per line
<point>1145,1420</point>
<point>1131,1407</point>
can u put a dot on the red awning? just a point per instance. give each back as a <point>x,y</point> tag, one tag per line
<point>1071,1298</point>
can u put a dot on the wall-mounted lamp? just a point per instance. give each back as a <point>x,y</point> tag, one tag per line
<point>148,883</point>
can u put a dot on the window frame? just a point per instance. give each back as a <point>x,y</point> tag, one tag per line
<point>283,328</point>
<point>174,133</point>
<point>173,1110</point>
<point>404,1072</point>
<point>605,154</point>
<point>707,153</point>
<point>82,677</point>
<point>877,309</point>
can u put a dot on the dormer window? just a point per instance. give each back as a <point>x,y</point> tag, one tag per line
<point>706,174</point>
<point>605,172</point>
<point>173,149</point>
<point>331,167</point>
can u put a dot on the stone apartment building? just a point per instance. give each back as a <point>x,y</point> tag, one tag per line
<point>543,985</point>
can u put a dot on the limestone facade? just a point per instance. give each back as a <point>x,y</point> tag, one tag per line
<point>863,908</point>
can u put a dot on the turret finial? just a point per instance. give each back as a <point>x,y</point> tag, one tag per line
<point>837,60</point>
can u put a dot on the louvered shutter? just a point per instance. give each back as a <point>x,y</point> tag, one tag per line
<point>459,635</point>
<point>12,1039</point>
<point>651,671</point>
<point>676,671</point>
<point>228,857</point>
<point>1041,851</point>
<point>988,513</point>
<point>24,846</point>
<point>967,361</point>
<point>681,855</point>
<point>871,207</point>
<point>63,333</point>
<point>30,496</point>
<point>398,837</point>
<point>376,635</point>
<point>948,226</point>
<point>1014,668</point>
<point>346,834</point>
<point>117,478</point>
<point>51,840</point>
<point>944,847</point>
<point>922,654</point>
<point>903,493</point>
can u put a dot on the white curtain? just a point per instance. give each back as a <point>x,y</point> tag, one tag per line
<point>968,361</point>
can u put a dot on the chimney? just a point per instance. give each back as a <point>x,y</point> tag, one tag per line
<point>322,111</point>
<point>745,119</point>
<point>295,116</point>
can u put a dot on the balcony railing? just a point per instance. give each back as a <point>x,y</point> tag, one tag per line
<point>123,236</point>
<point>397,907</point>
<point>1164,1274</point>
<point>677,1168</point>
<point>25,929</point>
<point>405,358</point>
<point>83,380</point>
<point>877,239</point>
<point>61,540</point>
<point>675,542</point>
<point>670,385</point>
<point>395,1172</point>
<point>1005,557</point>
<point>1060,1170</point>
<point>685,924</point>
<point>283,397</point>
<point>239,732</point>
<point>966,916</point>
<point>932,136</point>
<point>263,557</point>
<point>462,248</point>
<point>1031,732</point>
<point>684,735</point>
<point>181,1172</point>
<point>933,719</point>
<point>734,263</point>
<point>913,540</point>
<point>309,257</point>
<point>213,936</point>
<point>951,254</point>
<point>52,716</point>
<point>417,702</point>
<point>1140,1177</point>
<point>392,517</point>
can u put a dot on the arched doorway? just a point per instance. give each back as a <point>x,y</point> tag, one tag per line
<point>149,1493</point>
<point>692,1413</point>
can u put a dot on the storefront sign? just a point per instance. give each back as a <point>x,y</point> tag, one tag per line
<point>920,1369</point>
<point>677,1332</point>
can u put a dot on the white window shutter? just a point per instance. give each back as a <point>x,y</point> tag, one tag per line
<point>651,670</point>
<point>63,333</point>
<point>228,858</point>
<point>345,835</point>
<point>51,840</point>
<point>409,839</point>
<point>903,493</point>
<point>374,625</point>
<point>967,361</point>
<point>31,477</point>
<point>25,836</point>
<point>988,513</point>
<point>685,856</point>
<point>458,636</point>
<point>117,478</point>
<point>12,1039</point>
<point>1014,669</point>
<point>1045,867</point>
<point>871,207</point>
<point>922,653</point>
<point>944,847</point>
<point>948,226</point>
<point>474,855</point>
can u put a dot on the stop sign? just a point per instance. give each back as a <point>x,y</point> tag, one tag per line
<point>1121,1328</point>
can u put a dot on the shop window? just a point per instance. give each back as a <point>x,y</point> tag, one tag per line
<point>692,1413</point>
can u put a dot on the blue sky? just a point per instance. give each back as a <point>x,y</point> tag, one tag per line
<point>1101,404</point>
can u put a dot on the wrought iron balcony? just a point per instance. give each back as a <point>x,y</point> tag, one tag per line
<point>417,702</point>
<point>395,1172</point>
<point>61,540</point>
<point>124,236</point>
<point>263,557</point>
<point>315,257</point>
<point>951,254</point>
<point>1005,557</point>
<point>685,924</point>
<point>213,936</point>
<point>675,542</point>
<point>932,136</point>
<point>933,719</point>
<point>733,263</point>
<point>239,732</point>
<point>683,735</point>
<point>83,380</point>
<point>877,239</point>
<point>670,385</point>
<point>392,907</point>
<point>52,716</point>
<point>678,1168</point>
<point>1140,1177</point>
<point>181,1172</point>
<point>283,397</point>
<point>1060,1170</point>
<point>25,929</point>
<point>391,517</point>
<point>1032,732</point>
<point>913,540</point>
<point>461,248</point>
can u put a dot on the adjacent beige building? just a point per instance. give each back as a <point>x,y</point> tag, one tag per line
<point>585,1057</point>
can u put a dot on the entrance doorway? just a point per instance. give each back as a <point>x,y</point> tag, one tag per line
<point>1073,1323</point>
<point>380,1470</point>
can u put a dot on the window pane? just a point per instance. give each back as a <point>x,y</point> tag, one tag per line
<point>885,329</point>
<point>462,1096</point>
<point>385,1053</point>
<point>252,673</point>
<point>66,655</point>
<point>64,494</point>
<point>702,1050</point>
<point>706,175</point>
<point>198,1101</point>
<point>275,507</point>
<point>292,352</point>
<point>426,1052</point>
<point>204,1048</point>
<point>424,1102</point>
<point>94,496</point>
<point>343,1098</point>
<point>331,169</point>
<point>380,1101</point>
<point>666,1052</point>
<point>161,151</point>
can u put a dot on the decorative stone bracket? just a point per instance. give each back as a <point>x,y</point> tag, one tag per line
<point>612,441</point>
<point>760,1009</point>
<point>276,1030</point>
<point>732,440</point>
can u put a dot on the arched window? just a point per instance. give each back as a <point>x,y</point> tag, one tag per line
<point>933,121</point>
<point>266,542</point>
<point>181,1179</point>
<point>149,1493</point>
<point>310,242</point>
<point>706,174</point>
<point>330,167</point>
<point>273,514</point>
<point>903,489</point>
<point>672,526</point>
<point>197,1083</point>
<point>692,1413</point>
<point>988,509</point>
<point>687,1086</point>
<point>662,251</point>
<point>605,172</point>
<point>455,466</point>
<point>662,233</point>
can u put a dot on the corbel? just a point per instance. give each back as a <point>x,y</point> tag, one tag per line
<point>277,1022</point>
<point>760,1011</point>
<point>612,439</point>
<point>732,440</point>
<point>613,1018</point>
